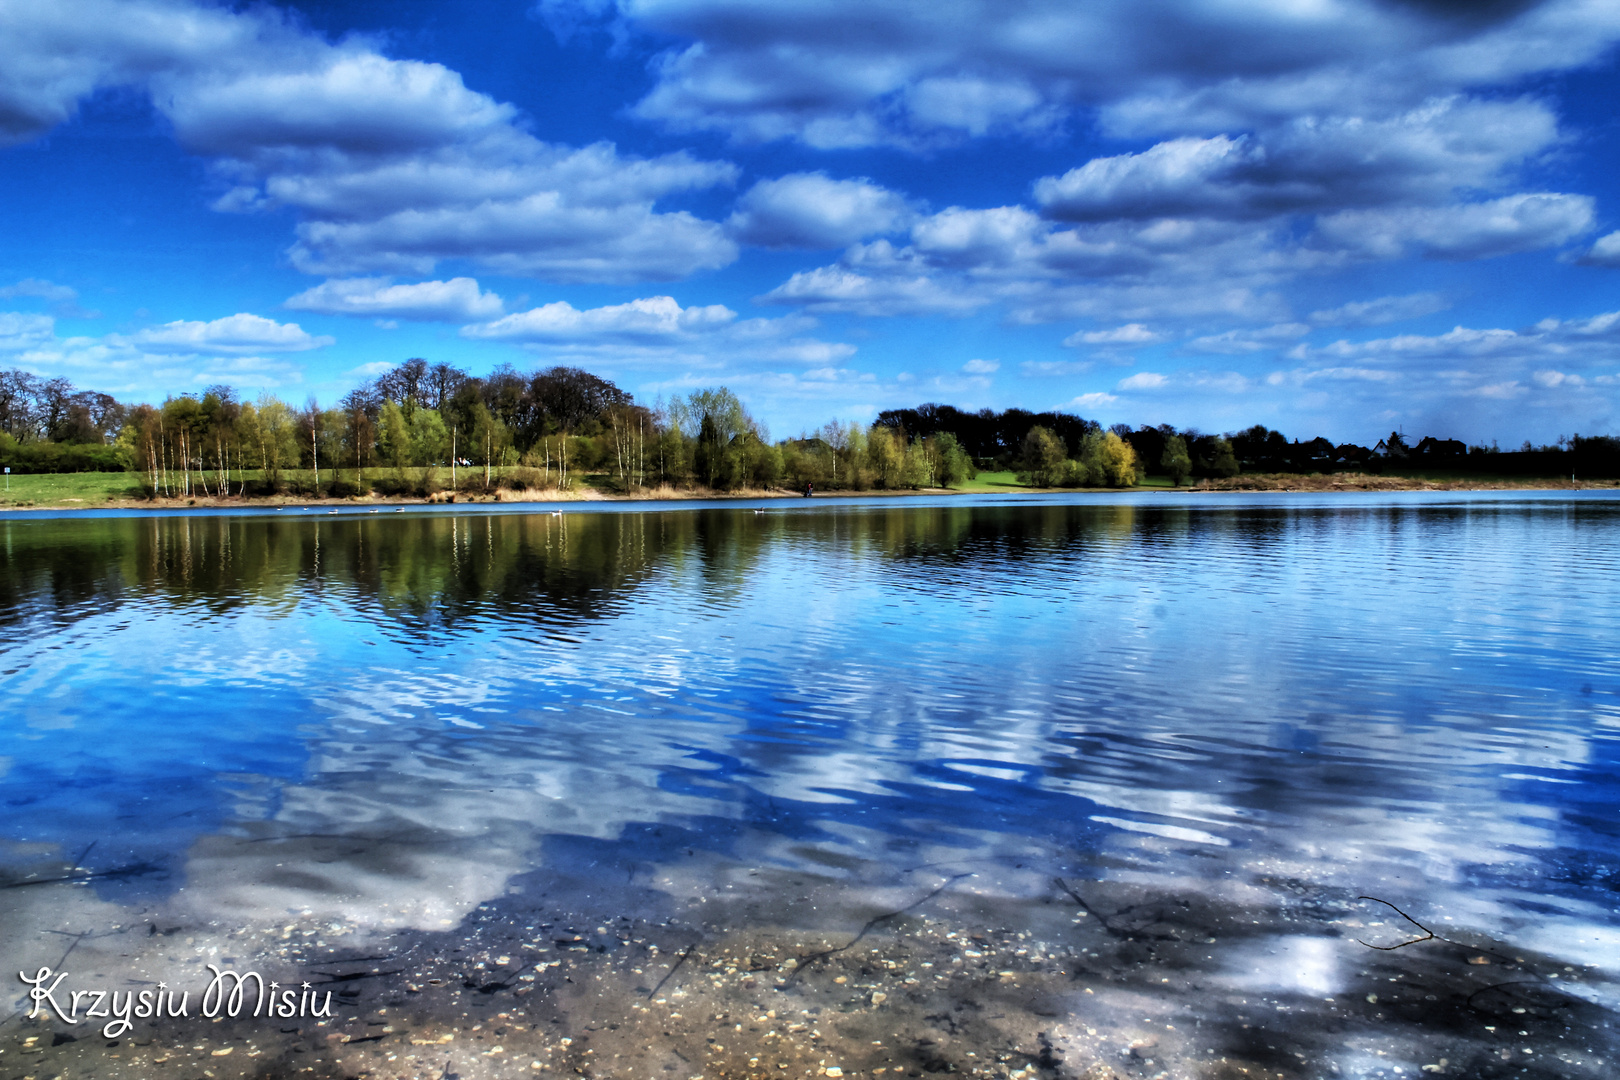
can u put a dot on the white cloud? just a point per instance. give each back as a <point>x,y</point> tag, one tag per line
<point>1173,178</point>
<point>1238,342</point>
<point>959,260</point>
<point>658,333</point>
<point>114,364</point>
<point>234,334</point>
<point>1311,164</point>
<point>975,105</point>
<point>1577,354</point>
<point>982,367</point>
<point>844,73</point>
<point>24,330</point>
<point>1605,252</point>
<point>456,300</point>
<point>45,290</point>
<point>655,317</point>
<point>1606,325</point>
<point>1502,226</point>
<point>1458,343</point>
<point>545,234</point>
<point>839,289</point>
<point>1143,380</point>
<point>811,210</point>
<point>1302,377</point>
<point>63,299</point>
<point>1052,368</point>
<point>393,165</point>
<point>1385,309</point>
<point>1129,334</point>
<point>1094,400</point>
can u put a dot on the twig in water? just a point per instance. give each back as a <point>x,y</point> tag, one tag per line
<point>132,870</point>
<point>1087,908</point>
<point>679,960</point>
<point>1428,935</point>
<point>76,939</point>
<point>802,962</point>
<point>1107,921</point>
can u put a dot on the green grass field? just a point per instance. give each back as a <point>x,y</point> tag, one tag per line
<point>67,489</point>
<point>992,481</point>
<point>1008,481</point>
<point>84,490</point>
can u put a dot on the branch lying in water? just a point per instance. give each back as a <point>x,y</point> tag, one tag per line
<point>1428,935</point>
<point>673,969</point>
<point>804,961</point>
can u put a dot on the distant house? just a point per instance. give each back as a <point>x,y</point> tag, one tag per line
<point>1392,447</point>
<point>1319,452</point>
<point>1431,447</point>
<point>1351,454</point>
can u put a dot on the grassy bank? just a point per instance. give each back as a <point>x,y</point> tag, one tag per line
<point>1386,482</point>
<point>68,489</point>
<point>89,490</point>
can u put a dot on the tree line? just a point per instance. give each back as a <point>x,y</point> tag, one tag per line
<point>421,427</point>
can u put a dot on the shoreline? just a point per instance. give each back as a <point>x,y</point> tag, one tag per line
<point>1003,975</point>
<point>1262,483</point>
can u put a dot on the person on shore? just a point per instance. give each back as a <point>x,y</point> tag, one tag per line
<point>809,489</point>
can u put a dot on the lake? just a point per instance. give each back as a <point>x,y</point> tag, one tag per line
<point>1042,786</point>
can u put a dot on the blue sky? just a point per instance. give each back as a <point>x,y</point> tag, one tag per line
<point>1333,217</point>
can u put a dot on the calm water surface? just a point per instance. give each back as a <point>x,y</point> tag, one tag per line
<point>394,719</point>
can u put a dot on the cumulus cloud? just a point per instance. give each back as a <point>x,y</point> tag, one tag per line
<point>982,367</point>
<point>63,299</point>
<point>811,210</point>
<point>392,165</point>
<point>1469,231</point>
<point>1239,342</point>
<point>657,332</point>
<point>1129,334</point>
<point>238,334</point>
<point>1384,122</point>
<point>117,364</point>
<point>657,317</point>
<point>1143,380</point>
<point>1605,252</point>
<point>1037,369</point>
<point>23,330</point>
<point>1311,164</point>
<point>843,289</point>
<point>1385,309</point>
<point>567,223</point>
<point>862,72</point>
<point>1472,359</point>
<point>1145,235</point>
<point>959,260</point>
<point>1553,379</point>
<point>456,300</point>
<point>45,290</point>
